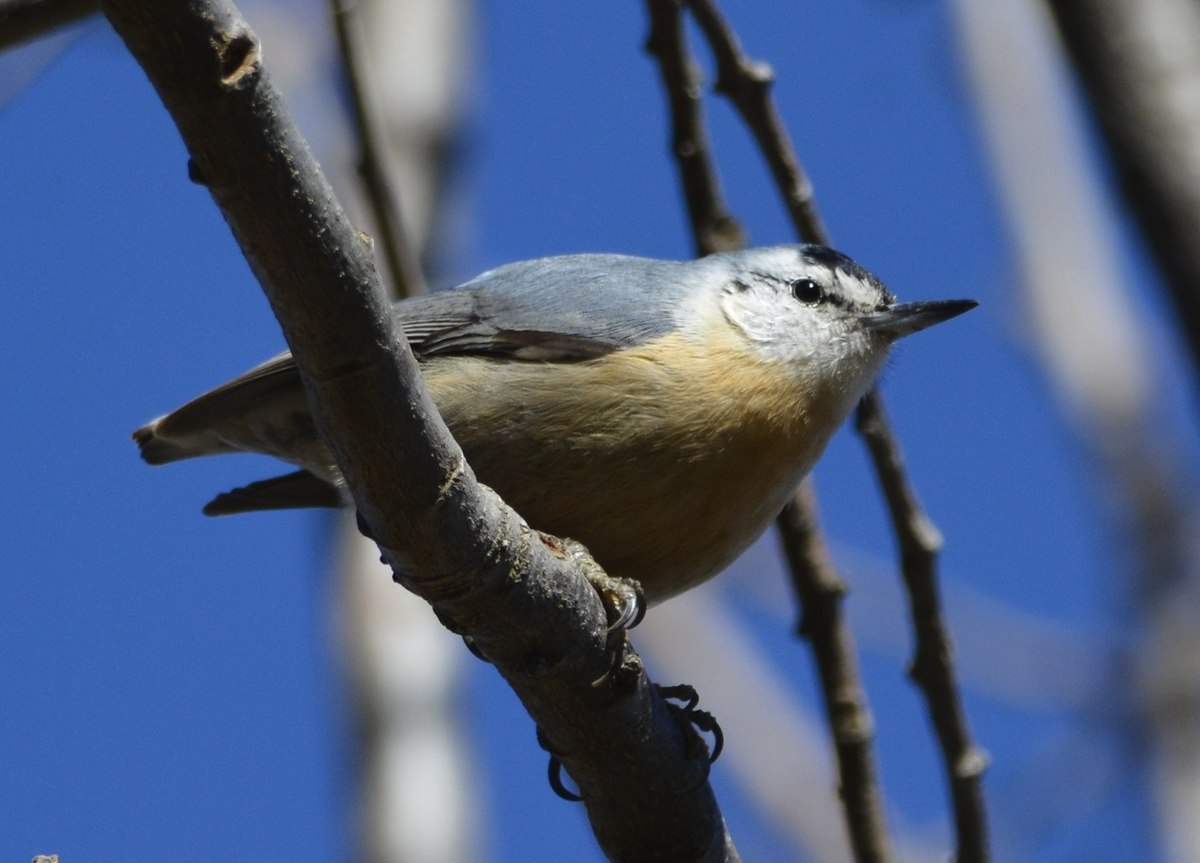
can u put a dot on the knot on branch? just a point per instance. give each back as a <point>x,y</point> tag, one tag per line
<point>241,54</point>
<point>850,720</point>
<point>972,763</point>
<point>932,660</point>
<point>455,478</point>
<point>926,534</point>
<point>744,78</point>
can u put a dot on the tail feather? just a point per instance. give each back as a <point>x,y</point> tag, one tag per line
<point>158,450</point>
<point>299,490</point>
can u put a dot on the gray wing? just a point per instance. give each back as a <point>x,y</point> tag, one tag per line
<point>563,309</point>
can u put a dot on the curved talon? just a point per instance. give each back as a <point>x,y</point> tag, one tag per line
<point>684,692</point>
<point>624,604</point>
<point>554,774</point>
<point>615,641</point>
<point>623,599</point>
<point>699,720</point>
<point>705,721</point>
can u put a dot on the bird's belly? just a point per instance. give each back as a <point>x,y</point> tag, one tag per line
<point>661,489</point>
<point>668,525</point>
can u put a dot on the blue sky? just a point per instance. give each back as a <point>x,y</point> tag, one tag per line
<point>167,684</point>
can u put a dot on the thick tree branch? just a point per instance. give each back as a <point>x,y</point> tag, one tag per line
<point>518,594</point>
<point>24,20</point>
<point>817,584</point>
<point>1140,67</point>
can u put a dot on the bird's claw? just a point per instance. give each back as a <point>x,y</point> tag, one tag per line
<point>623,600</point>
<point>624,607</point>
<point>554,771</point>
<point>555,775</point>
<point>691,720</point>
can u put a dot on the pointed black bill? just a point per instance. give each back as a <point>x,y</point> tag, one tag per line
<point>902,319</point>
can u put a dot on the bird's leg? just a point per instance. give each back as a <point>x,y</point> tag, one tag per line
<point>622,598</point>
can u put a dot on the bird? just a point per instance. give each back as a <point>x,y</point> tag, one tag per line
<point>659,412</point>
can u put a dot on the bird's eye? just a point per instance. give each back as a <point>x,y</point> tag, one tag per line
<point>807,291</point>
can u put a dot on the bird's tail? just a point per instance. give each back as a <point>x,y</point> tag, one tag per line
<point>297,490</point>
<point>156,449</point>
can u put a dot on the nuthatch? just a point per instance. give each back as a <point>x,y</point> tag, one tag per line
<point>659,412</point>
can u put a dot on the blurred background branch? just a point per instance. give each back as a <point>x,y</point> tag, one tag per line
<point>418,797</point>
<point>1139,64</point>
<point>747,84</point>
<point>376,158</point>
<point>22,21</point>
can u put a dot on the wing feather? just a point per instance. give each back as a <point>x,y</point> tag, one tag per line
<point>564,309</point>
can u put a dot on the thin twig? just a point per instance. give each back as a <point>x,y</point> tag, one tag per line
<point>374,168</point>
<point>824,624</point>
<point>932,668</point>
<point>520,595</point>
<point>747,84</point>
<point>714,229</point>
<point>817,584</point>
<point>407,808</point>
<point>24,20</point>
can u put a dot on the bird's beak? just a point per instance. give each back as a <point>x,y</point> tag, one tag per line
<point>902,319</point>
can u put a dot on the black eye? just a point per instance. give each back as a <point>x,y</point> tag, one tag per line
<point>807,291</point>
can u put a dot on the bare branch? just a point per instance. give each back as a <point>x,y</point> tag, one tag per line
<point>25,20</point>
<point>747,84</point>
<point>714,229</point>
<point>932,669</point>
<point>373,166</point>
<point>823,623</point>
<point>517,593</point>
<point>817,584</point>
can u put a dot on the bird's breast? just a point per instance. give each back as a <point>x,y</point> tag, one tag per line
<point>666,460</point>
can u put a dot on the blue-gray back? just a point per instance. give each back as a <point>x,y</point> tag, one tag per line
<point>564,308</point>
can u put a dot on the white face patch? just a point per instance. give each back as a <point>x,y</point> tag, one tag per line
<point>800,307</point>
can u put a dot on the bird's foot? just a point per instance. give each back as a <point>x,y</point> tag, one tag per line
<point>623,599</point>
<point>693,722</point>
